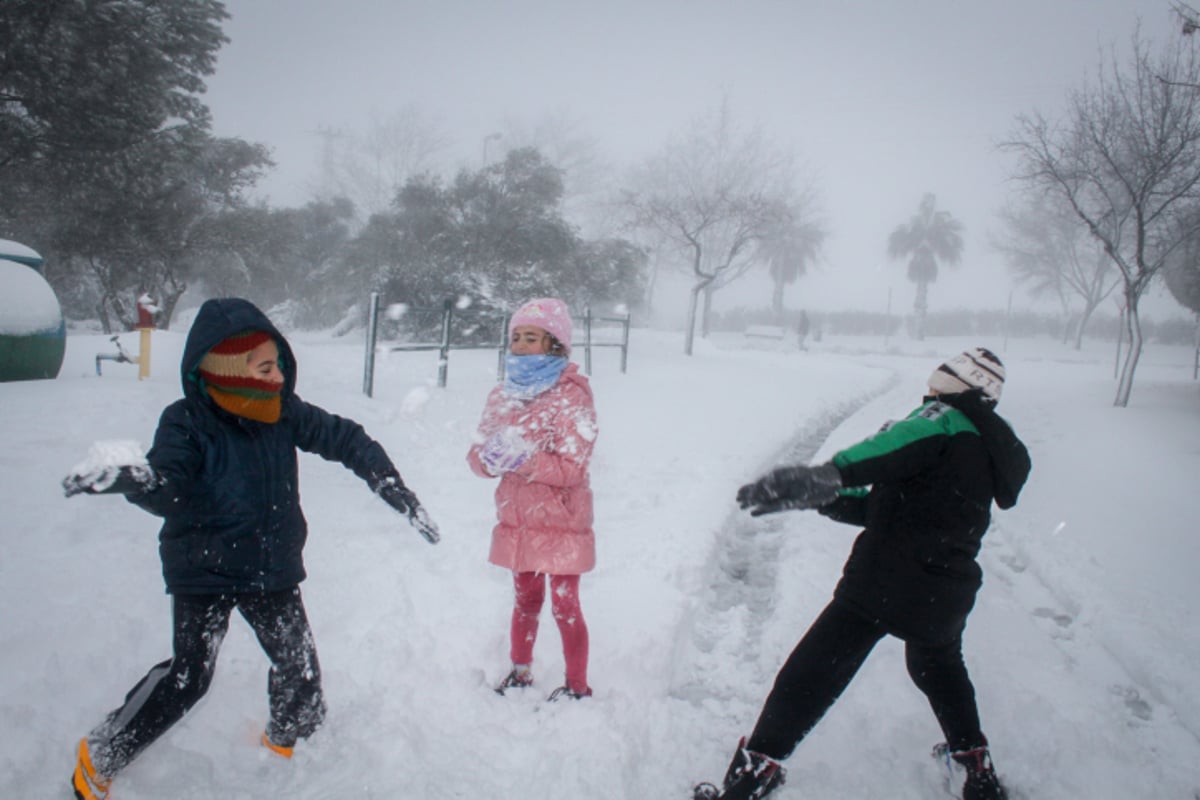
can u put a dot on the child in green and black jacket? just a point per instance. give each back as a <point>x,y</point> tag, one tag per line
<point>922,489</point>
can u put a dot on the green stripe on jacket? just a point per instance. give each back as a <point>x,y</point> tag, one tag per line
<point>932,419</point>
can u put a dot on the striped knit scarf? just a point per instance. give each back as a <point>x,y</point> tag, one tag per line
<point>227,379</point>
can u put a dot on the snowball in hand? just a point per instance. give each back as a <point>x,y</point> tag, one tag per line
<point>103,465</point>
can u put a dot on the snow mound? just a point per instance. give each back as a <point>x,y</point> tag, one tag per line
<point>27,303</point>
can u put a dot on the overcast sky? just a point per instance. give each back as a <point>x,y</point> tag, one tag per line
<point>882,100</point>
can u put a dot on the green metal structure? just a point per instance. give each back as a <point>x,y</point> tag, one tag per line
<point>28,351</point>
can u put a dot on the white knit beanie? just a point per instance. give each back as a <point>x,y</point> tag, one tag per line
<point>977,368</point>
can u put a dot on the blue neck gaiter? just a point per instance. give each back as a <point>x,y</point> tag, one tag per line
<point>528,376</point>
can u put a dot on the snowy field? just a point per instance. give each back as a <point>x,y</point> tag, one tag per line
<point>1083,646</point>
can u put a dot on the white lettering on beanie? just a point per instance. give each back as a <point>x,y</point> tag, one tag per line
<point>977,368</point>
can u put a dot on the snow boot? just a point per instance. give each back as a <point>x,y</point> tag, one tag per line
<point>85,781</point>
<point>567,693</point>
<point>750,776</point>
<point>981,782</point>
<point>519,678</point>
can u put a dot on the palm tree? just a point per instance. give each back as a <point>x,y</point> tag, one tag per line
<point>788,249</point>
<point>930,236</point>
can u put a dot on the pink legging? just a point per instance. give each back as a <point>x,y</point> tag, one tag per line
<point>564,603</point>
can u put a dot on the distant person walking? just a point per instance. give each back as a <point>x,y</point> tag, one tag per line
<point>222,473</point>
<point>802,330</point>
<point>923,489</point>
<point>536,435</point>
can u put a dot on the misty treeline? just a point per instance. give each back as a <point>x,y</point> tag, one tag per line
<point>1104,325</point>
<point>110,169</point>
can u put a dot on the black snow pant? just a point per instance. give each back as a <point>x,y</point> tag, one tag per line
<point>170,688</point>
<point>827,659</point>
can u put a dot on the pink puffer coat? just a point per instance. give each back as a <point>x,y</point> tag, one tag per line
<point>544,507</point>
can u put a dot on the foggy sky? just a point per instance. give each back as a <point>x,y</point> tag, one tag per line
<point>882,101</point>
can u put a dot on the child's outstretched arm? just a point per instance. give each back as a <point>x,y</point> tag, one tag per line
<point>339,439</point>
<point>125,479</point>
<point>158,482</point>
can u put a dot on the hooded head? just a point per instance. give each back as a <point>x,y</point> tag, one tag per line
<point>977,368</point>
<point>548,313</point>
<point>216,359</point>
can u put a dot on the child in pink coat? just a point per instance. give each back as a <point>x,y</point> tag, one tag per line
<point>536,435</point>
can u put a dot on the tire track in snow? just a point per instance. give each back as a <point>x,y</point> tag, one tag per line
<point>737,594</point>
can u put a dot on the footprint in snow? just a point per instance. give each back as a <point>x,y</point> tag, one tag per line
<point>1134,702</point>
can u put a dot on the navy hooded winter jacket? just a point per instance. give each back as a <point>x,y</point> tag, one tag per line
<point>229,497</point>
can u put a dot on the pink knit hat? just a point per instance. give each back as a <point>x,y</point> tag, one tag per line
<point>548,313</point>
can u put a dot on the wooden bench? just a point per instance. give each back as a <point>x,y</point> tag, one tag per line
<point>777,332</point>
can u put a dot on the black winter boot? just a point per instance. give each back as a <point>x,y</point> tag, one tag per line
<point>519,678</point>
<point>750,776</point>
<point>981,782</point>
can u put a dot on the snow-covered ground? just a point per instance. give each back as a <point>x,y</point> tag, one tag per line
<point>1083,645</point>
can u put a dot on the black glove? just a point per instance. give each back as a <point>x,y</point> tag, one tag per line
<point>791,487</point>
<point>400,497</point>
<point>129,479</point>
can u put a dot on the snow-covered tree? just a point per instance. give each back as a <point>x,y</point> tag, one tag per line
<point>495,235</point>
<point>368,167</point>
<point>713,196</point>
<point>1050,250</point>
<point>81,80</point>
<point>106,155</point>
<point>1126,159</point>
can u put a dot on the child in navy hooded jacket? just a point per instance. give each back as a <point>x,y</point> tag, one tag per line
<point>222,473</point>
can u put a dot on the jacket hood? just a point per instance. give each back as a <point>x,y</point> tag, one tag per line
<point>1010,460</point>
<point>217,320</point>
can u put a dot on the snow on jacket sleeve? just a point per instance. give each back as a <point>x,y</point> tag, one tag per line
<point>561,426</point>
<point>489,423</point>
<point>573,424</point>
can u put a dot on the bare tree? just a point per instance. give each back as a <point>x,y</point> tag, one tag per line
<point>713,196</point>
<point>562,139</point>
<point>1189,18</point>
<point>369,167</point>
<point>1182,270</point>
<point>1049,249</point>
<point>1127,161</point>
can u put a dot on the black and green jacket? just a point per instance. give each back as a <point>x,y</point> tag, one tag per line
<point>922,488</point>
